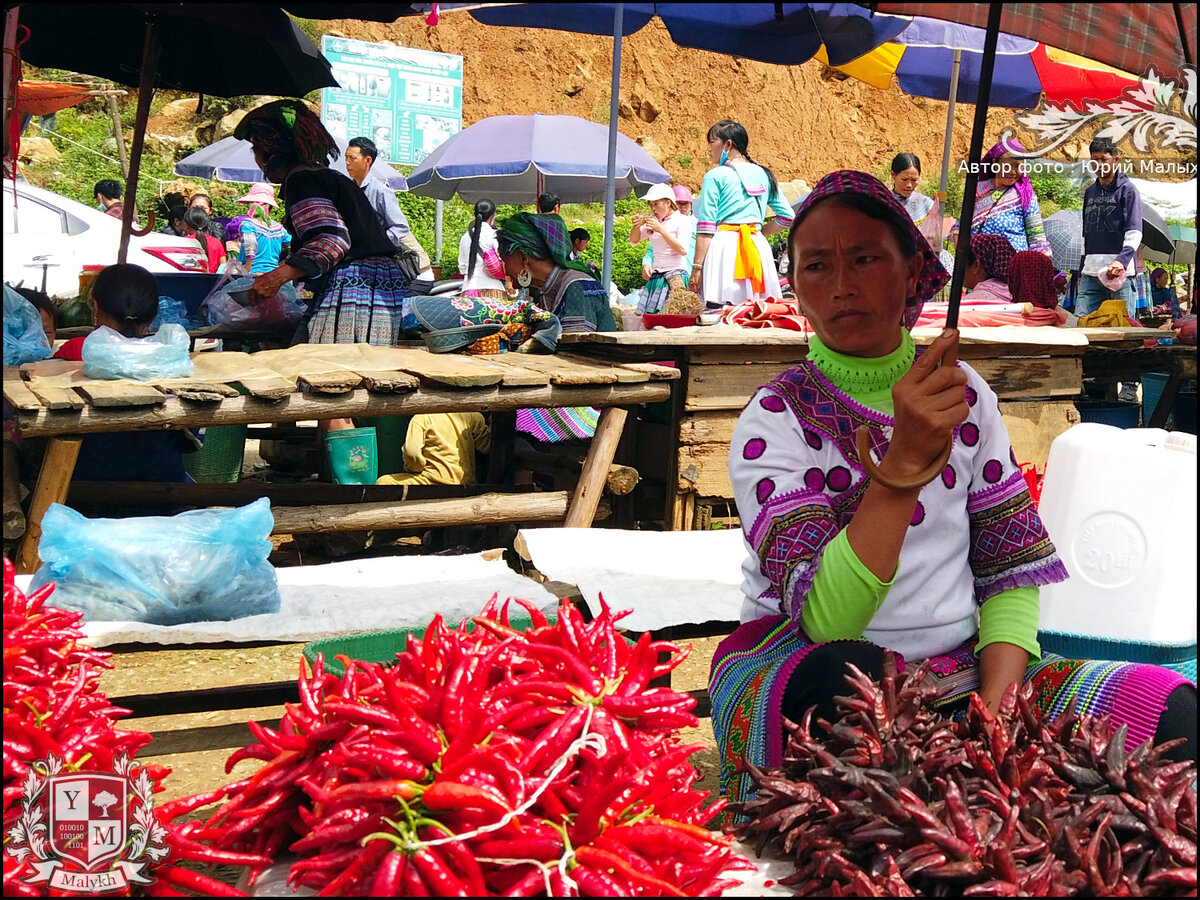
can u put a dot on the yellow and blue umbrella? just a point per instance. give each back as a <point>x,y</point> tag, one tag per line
<point>921,58</point>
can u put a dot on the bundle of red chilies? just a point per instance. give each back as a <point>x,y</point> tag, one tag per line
<point>54,709</point>
<point>488,761</point>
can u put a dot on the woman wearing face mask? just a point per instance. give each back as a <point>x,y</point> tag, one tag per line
<point>1005,202</point>
<point>733,261</point>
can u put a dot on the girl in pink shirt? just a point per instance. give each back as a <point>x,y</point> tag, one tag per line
<point>670,235</point>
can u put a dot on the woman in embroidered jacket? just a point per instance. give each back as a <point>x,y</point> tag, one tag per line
<point>338,247</point>
<point>841,565</point>
<point>733,261</point>
<point>1005,202</point>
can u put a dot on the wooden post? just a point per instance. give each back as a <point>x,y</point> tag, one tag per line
<point>595,468</point>
<point>150,48</point>
<point>119,134</point>
<point>14,516</point>
<point>55,478</point>
<point>10,87</point>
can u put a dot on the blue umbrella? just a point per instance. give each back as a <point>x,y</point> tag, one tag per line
<point>232,160</point>
<point>512,159</point>
<point>787,33</point>
<point>784,33</point>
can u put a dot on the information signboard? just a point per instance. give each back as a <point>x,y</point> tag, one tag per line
<point>407,101</point>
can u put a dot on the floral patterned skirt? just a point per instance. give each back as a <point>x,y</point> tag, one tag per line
<point>752,667</point>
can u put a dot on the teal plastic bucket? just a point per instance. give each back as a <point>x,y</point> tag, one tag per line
<point>1118,413</point>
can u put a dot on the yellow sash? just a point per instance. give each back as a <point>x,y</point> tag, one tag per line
<point>748,264</point>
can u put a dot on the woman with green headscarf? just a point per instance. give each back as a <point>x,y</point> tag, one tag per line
<point>536,253</point>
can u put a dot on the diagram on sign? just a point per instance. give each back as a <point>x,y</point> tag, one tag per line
<point>407,101</point>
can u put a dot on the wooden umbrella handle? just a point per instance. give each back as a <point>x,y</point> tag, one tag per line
<point>862,442</point>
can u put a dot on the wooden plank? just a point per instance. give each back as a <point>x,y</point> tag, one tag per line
<point>17,392</point>
<point>160,493</point>
<point>390,381</point>
<point>201,396</point>
<point>55,477</point>
<point>56,397</point>
<point>485,509</point>
<point>300,407</point>
<point>516,373</point>
<point>704,470</point>
<point>1054,376</point>
<point>269,388</point>
<point>708,427</point>
<point>567,370</point>
<point>727,387</point>
<point>595,468</point>
<point>706,356</point>
<point>120,393</point>
<point>331,383</point>
<point>199,387</point>
<point>449,369</point>
<point>1034,424</point>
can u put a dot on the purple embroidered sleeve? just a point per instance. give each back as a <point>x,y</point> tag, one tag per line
<point>789,535</point>
<point>1009,545</point>
<point>322,235</point>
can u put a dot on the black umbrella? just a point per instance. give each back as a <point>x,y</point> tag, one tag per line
<point>224,49</point>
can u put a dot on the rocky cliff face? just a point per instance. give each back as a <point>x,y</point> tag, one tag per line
<point>803,121</point>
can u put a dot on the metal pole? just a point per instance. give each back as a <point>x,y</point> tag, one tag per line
<point>437,231</point>
<point>610,185</point>
<point>949,123</point>
<point>980,125</point>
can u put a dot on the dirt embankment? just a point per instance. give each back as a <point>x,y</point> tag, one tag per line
<point>803,121</point>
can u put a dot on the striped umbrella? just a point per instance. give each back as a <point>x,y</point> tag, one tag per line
<point>921,58</point>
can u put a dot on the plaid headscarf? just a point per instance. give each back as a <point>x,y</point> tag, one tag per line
<point>1031,279</point>
<point>932,276</point>
<point>1024,186</point>
<point>994,253</point>
<point>288,132</point>
<point>542,236</point>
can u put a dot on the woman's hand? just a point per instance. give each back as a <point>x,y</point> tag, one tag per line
<point>930,400</point>
<point>268,284</point>
<point>647,271</point>
<point>695,279</point>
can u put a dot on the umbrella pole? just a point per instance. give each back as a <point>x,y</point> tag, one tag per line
<point>150,48</point>
<point>949,126</point>
<point>976,152</point>
<point>610,185</point>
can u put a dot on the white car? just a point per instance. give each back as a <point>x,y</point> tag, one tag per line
<point>53,237</point>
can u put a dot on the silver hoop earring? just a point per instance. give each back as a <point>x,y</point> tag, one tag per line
<point>524,277</point>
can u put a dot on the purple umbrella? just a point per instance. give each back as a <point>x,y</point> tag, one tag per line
<point>512,159</point>
<point>232,160</point>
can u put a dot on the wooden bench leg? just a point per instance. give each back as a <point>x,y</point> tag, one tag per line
<point>1166,401</point>
<point>595,468</point>
<point>14,516</point>
<point>52,485</point>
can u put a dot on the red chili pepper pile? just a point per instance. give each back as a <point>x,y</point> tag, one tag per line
<point>898,801</point>
<point>52,706</point>
<point>484,762</point>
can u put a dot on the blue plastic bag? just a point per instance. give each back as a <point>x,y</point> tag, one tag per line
<point>107,354</point>
<point>173,312</point>
<point>24,338</point>
<point>199,566</point>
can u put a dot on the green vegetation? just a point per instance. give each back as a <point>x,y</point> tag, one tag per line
<point>685,162</point>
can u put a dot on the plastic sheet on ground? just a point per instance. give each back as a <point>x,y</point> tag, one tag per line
<point>665,577</point>
<point>347,597</point>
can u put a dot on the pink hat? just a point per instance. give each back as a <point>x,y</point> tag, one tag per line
<point>682,194</point>
<point>260,193</point>
<point>1113,284</point>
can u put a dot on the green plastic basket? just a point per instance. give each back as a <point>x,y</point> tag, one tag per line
<point>382,646</point>
<point>219,461</point>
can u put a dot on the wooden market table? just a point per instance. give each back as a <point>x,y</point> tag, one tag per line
<point>52,399</point>
<point>1036,372</point>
